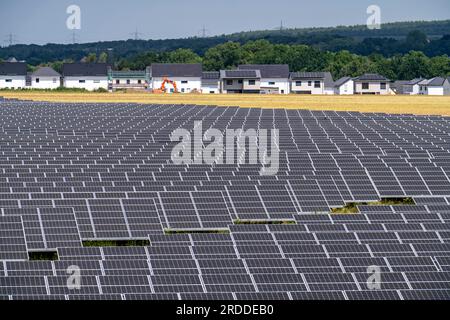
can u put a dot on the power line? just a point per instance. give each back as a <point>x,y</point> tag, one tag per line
<point>74,38</point>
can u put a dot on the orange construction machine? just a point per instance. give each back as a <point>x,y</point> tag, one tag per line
<point>167,81</point>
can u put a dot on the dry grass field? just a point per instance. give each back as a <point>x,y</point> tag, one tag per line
<point>420,105</point>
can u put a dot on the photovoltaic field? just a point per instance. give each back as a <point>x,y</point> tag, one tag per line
<point>72,174</point>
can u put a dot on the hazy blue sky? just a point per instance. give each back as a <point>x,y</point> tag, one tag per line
<point>45,20</point>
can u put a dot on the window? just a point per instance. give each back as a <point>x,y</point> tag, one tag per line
<point>282,91</point>
<point>298,83</point>
<point>37,80</point>
<point>309,83</point>
<point>211,92</point>
<point>81,81</point>
<point>54,80</point>
<point>271,83</point>
<point>117,81</point>
<point>184,82</point>
<point>128,81</point>
<point>139,81</point>
<point>8,80</point>
<point>317,84</point>
<point>251,82</point>
<point>96,81</point>
<point>182,90</point>
<point>229,82</point>
<point>383,86</point>
<point>365,86</point>
<point>240,81</point>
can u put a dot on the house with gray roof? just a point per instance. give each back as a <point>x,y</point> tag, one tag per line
<point>186,76</point>
<point>211,82</point>
<point>437,86</point>
<point>13,75</point>
<point>45,78</point>
<point>372,83</point>
<point>274,77</point>
<point>312,83</point>
<point>344,86</point>
<point>240,81</point>
<point>88,76</point>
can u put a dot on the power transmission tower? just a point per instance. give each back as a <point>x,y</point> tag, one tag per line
<point>11,39</point>
<point>204,32</point>
<point>281,26</point>
<point>74,38</point>
<point>136,35</point>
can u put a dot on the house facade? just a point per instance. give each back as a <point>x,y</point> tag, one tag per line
<point>187,77</point>
<point>274,77</point>
<point>412,87</point>
<point>312,83</point>
<point>372,83</point>
<point>344,86</point>
<point>88,76</point>
<point>129,80</point>
<point>45,78</point>
<point>211,82</point>
<point>437,86</point>
<point>13,75</point>
<point>240,81</point>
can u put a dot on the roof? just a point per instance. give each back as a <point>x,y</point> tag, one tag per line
<point>436,82</point>
<point>176,70</point>
<point>325,76</point>
<point>240,74</point>
<point>268,70</point>
<point>372,77</point>
<point>211,75</point>
<point>415,81</point>
<point>342,81</point>
<point>85,69</point>
<point>13,69</point>
<point>45,72</point>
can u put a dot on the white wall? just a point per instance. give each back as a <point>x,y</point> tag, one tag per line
<point>280,84</point>
<point>435,91</point>
<point>193,83</point>
<point>17,82</point>
<point>374,87</point>
<point>306,87</point>
<point>91,83</point>
<point>346,89</point>
<point>45,83</point>
<point>207,89</point>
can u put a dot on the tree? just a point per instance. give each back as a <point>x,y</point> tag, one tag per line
<point>440,66</point>
<point>183,56</point>
<point>103,58</point>
<point>223,56</point>
<point>415,64</point>
<point>91,57</point>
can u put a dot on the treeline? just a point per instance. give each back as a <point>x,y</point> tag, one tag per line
<point>300,58</point>
<point>393,38</point>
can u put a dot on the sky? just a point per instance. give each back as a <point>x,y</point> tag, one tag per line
<point>44,21</point>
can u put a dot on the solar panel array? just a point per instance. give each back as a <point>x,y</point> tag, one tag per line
<point>76,172</point>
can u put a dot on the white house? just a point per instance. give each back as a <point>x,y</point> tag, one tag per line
<point>13,75</point>
<point>88,76</point>
<point>274,77</point>
<point>344,86</point>
<point>312,83</point>
<point>372,83</point>
<point>435,87</point>
<point>45,78</point>
<point>187,77</point>
<point>211,82</point>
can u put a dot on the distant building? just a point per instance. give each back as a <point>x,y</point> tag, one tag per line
<point>13,75</point>
<point>437,86</point>
<point>88,76</point>
<point>129,80</point>
<point>312,83</point>
<point>412,87</point>
<point>274,77</point>
<point>211,82</point>
<point>187,77</point>
<point>344,86</point>
<point>45,78</point>
<point>372,83</point>
<point>240,81</point>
